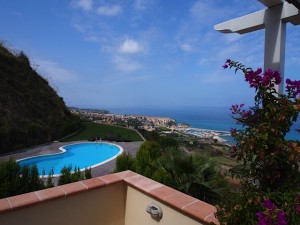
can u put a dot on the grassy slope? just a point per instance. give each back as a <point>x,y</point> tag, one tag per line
<point>31,112</point>
<point>226,161</point>
<point>102,130</point>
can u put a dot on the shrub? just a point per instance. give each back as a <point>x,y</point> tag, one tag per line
<point>66,176</point>
<point>88,173</point>
<point>271,163</point>
<point>16,180</point>
<point>125,161</point>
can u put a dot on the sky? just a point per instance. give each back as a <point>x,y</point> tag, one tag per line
<point>137,53</point>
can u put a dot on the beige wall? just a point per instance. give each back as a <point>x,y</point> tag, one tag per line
<point>136,211</point>
<point>116,204</point>
<point>103,206</point>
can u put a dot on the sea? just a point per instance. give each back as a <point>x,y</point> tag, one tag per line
<point>198,117</point>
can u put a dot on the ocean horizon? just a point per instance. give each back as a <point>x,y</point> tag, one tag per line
<point>201,117</point>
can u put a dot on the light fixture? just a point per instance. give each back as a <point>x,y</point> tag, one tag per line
<point>155,211</point>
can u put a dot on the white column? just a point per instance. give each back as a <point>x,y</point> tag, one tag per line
<point>275,34</point>
<point>273,20</point>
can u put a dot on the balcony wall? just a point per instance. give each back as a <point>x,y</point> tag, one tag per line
<point>115,199</point>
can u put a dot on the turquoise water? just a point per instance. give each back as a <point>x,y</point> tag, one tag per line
<point>82,155</point>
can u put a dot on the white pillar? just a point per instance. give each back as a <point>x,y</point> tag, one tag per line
<point>275,34</point>
<point>273,20</point>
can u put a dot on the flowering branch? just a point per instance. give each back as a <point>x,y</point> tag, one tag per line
<point>268,157</point>
<point>271,215</point>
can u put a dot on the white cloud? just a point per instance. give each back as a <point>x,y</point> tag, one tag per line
<point>130,46</point>
<point>112,10</point>
<point>78,27</point>
<point>92,38</point>
<point>205,11</point>
<point>85,5</point>
<point>230,38</point>
<point>54,72</point>
<point>126,65</point>
<point>295,60</point>
<point>142,5</point>
<point>214,78</point>
<point>229,51</point>
<point>186,47</point>
<point>205,60</point>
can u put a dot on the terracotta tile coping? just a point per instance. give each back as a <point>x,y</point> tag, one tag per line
<point>192,207</point>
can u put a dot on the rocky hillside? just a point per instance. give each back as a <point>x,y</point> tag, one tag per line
<point>31,112</point>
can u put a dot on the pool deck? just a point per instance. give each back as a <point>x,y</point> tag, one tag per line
<point>107,168</point>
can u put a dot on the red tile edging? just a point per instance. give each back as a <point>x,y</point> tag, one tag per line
<point>192,207</point>
<point>186,204</point>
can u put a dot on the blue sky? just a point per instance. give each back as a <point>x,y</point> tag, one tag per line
<point>105,53</point>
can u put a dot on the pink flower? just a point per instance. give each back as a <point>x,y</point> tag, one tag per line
<point>298,208</point>
<point>232,130</point>
<point>234,148</point>
<point>225,66</point>
<point>270,78</point>
<point>253,77</point>
<point>281,218</point>
<point>246,114</point>
<point>269,205</point>
<point>228,61</point>
<point>266,217</point>
<point>293,87</point>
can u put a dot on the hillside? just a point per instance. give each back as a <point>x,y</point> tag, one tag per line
<point>31,112</point>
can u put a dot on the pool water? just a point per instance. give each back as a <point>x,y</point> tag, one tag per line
<point>82,155</point>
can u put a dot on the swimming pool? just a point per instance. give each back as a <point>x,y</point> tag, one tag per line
<point>82,155</point>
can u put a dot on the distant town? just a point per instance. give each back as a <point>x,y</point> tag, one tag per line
<point>149,123</point>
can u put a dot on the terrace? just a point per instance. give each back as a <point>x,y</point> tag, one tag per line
<point>115,199</point>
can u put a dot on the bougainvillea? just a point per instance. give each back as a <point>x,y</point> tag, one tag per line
<point>270,162</point>
<point>271,215</point>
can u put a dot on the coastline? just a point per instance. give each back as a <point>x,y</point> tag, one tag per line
<point>206,133</point>
<point>212,119</point>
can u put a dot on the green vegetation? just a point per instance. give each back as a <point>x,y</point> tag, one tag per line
<point>15,180</point>
<point>270,174</point>
<point>226,161</point>
<point>94,131</point>
<point>68,177</point>
<point>194,174</point>
<point>125,162</point>
<point>164,129</point>
<point>31,112</point>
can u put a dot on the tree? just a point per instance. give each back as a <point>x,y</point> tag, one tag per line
<point>88,173</point>
<point>196,175</point>
<point>125,161</point>
<point>49,181</point>
<point>76,176</point>
<point>9,178</point>
<point>66,176</point>
<point>16,180</point>
<point>147,154</point>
